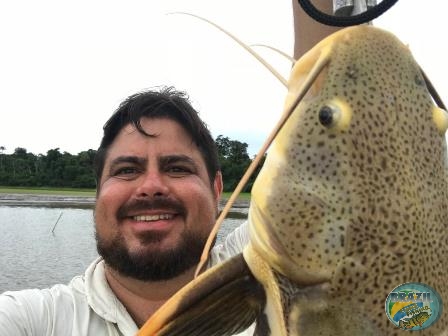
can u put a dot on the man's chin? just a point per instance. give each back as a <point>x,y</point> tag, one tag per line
<point>150,261</point>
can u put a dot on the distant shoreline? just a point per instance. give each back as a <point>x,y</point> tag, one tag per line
<point>68,201</point>
<point>46,200</point>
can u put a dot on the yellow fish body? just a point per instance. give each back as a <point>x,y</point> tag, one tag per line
<point>350,203</point>
<point>414,321</point>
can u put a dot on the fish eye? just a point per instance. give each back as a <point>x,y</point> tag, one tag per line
<point>335,114</point>
<point>326,116</point>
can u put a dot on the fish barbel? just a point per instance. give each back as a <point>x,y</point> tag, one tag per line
<point>351,202</point>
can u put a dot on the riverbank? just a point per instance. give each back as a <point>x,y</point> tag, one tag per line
<point>48,191</point>
<point>78,201</point>
<point>47,201</point>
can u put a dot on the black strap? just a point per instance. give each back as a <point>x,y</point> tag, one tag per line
<point>345,21</point>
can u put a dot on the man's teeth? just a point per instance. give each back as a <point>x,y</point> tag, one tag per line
<point>148,218</point>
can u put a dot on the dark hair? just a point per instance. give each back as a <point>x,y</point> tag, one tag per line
<point>165,103</point>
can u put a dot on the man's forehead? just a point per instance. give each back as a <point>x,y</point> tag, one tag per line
<point>163,159</point>
<point>154,126</point>
<point>130,129</point>
<point>164,137</point>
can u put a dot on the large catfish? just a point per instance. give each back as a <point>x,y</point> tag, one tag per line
<point>351,202</point>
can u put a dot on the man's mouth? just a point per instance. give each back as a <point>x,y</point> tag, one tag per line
<point>150,218</point>
<point>151,210</point>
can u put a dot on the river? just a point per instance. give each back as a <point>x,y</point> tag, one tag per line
<point>32,256</point>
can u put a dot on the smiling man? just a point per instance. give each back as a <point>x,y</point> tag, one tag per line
<point>158,188</point>
<point>153,195</point>
<point>158,192</point>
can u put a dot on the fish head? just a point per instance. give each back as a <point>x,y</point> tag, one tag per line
<point>350,202</point>
<point>354,189</point>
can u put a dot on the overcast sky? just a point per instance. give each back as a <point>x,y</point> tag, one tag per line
<point>66,65</point>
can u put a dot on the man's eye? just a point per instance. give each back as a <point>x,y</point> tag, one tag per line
<point>179,171</point>
<point>125,172</point>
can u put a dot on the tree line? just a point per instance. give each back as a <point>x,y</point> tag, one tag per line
<point>64,170</point>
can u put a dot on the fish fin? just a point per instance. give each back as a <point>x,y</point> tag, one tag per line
<point>224,300</point>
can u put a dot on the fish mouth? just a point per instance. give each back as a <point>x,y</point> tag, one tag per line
<point>266,242</point>
<point>303,278</point>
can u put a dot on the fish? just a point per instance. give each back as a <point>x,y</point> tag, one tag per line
<point>414,321</point>
<point>351,202</point>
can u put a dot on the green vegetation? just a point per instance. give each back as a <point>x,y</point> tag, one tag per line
<point>243,196</point>
<point>54,170</point>
<point>67,174</point>
<point>234,162</point>
<point>81,192</point>
<point>47,191</point>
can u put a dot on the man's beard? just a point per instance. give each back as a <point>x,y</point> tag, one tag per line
<point>152,265</point>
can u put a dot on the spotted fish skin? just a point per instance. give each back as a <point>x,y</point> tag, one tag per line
<point>350,209</point>
<point>350,203</point>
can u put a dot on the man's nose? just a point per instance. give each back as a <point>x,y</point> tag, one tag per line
<point>152,184</point>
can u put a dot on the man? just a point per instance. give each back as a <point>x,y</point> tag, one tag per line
<point>157,199</point>
<point>157,196</point>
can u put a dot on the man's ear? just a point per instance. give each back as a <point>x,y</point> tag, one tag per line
<point>217,185</point>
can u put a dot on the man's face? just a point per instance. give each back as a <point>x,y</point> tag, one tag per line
<point>156,205</point>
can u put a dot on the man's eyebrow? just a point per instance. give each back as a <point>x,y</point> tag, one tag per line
<point>128,159</point>
<point>177,158</point>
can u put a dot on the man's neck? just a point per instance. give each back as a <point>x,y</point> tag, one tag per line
<point>143,298</point>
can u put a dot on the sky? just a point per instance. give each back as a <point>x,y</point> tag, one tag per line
<point>66,65</point>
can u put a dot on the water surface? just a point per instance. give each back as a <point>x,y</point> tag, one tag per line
<point>31,256</point>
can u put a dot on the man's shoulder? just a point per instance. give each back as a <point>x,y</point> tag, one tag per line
<point>59,299</point>
<point>42,298</point>
<point>57,310</point>
<point>33,310</point>
<point>231,245</point>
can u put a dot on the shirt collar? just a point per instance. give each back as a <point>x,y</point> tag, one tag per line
<point>103,301</point>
